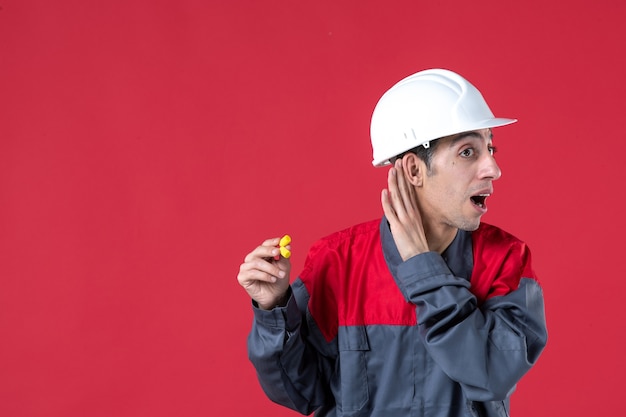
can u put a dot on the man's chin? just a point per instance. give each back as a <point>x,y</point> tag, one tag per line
<point>470,226</point>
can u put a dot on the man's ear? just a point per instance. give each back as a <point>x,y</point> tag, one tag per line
<point>414,169</point>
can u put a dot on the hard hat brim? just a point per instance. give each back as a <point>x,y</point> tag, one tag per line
<point>485,124</point>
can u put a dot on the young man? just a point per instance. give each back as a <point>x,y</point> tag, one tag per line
<point>427,312</point>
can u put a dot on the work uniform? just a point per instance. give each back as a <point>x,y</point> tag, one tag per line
<point>367,334</point>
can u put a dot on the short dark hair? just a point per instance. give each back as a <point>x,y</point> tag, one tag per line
<point>425,154</point>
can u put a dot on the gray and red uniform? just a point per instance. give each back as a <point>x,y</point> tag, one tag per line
<point>366,334</point>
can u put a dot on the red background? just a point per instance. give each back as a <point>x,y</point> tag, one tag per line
<point>147,146</point>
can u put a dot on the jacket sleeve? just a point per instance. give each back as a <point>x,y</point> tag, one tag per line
<point>486,348</point>
<point>291,371</point>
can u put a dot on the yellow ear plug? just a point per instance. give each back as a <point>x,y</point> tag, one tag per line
<point>286,253</point>
<point>284,241</point>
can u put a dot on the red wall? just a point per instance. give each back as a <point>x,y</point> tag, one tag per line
<point>147,146</point>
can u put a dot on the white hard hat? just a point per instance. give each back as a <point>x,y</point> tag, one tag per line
<point>425,106</point>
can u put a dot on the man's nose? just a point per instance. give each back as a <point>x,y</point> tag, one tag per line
<point>490,168</point>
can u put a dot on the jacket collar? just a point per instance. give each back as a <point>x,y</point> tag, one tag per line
<point>458,256</point>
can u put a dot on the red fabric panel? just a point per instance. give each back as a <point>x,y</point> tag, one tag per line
<point>350,284</point>
<point>500,260</point>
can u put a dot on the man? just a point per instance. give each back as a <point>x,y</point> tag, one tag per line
<point>427,312</point>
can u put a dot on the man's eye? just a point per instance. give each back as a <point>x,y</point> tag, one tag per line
<point>467,152</point>
<point>493,150</point>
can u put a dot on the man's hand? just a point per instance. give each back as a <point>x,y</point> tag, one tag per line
<point>401,209</point>
<point>264,274</point>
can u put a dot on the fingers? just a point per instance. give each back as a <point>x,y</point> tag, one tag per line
<point>267,249</point>
<point>259,270</point>
<point>264,274</point>
<point>260,264</point>
<point>402,211</point>
<point>398,198</point>
<point>388,194</point>
<point>387,206</point>
<point>404,188</point>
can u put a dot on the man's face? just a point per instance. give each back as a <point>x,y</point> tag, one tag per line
<point>456,188</point>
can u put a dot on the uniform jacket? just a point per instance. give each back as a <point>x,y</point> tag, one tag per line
<point>366,334</point>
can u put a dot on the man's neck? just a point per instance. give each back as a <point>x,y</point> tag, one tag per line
<point>439,236</point>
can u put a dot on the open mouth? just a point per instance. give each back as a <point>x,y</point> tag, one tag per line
<point>479,200</point>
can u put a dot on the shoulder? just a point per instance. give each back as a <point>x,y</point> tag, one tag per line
<point>333,252</point>
<point>498,242</point>
<point>329,267</point>
<point>363,230</point>
<point>500,254</point>
<point>490,234</point>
